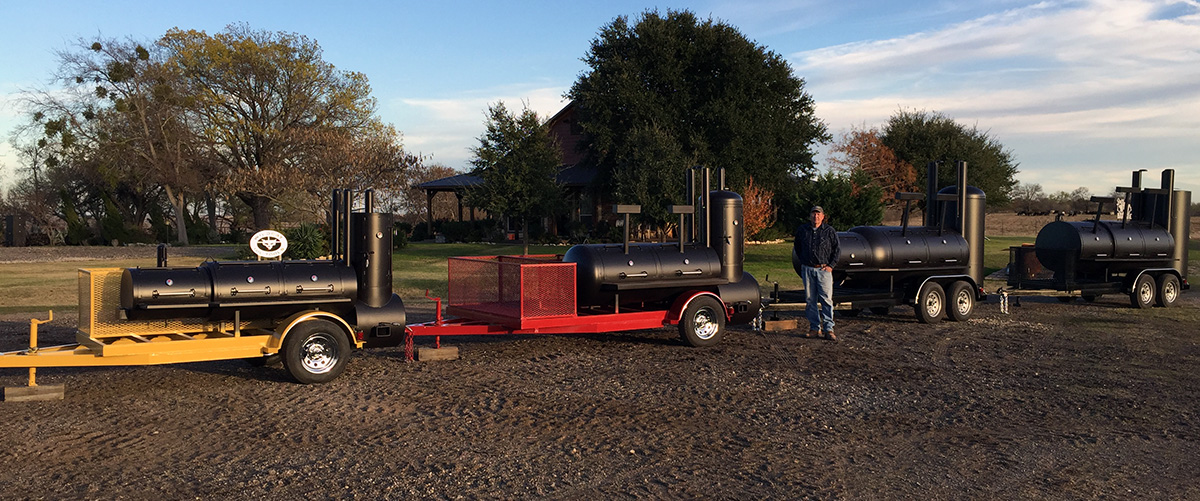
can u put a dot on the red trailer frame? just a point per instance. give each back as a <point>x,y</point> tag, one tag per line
<point>506,295</point>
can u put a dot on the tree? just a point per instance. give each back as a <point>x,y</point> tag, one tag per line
<point>1025,197</point>
<point>862,150</point>
<point>670,92</point>
<point>920,137</point>
<point>413,203</point>
<point>849,199</point>
<point>135,119</point>
<point>759,210</point>
<point>267,105</point>
<point>517,160</point>
<point>114,132</point>
<point>33,194</point>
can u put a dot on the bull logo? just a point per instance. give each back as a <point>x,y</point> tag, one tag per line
<point>268,244</point>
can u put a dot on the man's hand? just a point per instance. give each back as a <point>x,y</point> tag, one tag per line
<point>826,268</point>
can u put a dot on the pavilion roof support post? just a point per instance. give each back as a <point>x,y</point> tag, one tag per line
<point>429,212</point>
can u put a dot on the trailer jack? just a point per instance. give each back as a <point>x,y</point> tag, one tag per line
<point>33,392</point>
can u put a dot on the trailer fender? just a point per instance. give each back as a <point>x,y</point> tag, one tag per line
<point>291,322</point>
<point>682,302</point>
<point>1132,279</point>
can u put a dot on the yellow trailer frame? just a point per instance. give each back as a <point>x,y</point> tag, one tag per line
<point>105,339</point>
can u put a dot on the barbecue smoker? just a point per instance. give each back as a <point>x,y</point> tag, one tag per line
<point>922,266</point>
<point>696,283</point>
<point>308,313</point>
<point>355,284</point>
<point>1143,255</point>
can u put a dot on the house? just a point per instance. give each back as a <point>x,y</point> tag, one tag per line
<point>573,176</point>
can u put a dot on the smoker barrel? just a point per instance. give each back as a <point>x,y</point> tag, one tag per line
<point>641,273</point>
<point>868,249</point>
<point>214,289</point>
<point>1087,246</point>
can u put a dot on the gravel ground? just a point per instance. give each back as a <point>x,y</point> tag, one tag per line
<point>1053,401</point>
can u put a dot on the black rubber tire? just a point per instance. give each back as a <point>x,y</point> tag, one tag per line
<point>962,301</point>
<point>703,322</point>
<point>852,312</point>
<point>1168,290</point>
<point>1142,295</point>
<point>881,310</point>
<point>265,360</point>
<point>1090,298</point>
<point>316,351</point>
<point>931,303</point>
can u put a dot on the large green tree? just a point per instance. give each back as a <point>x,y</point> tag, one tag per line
<point>270,108</point>
<point>517,160</point>
<point>849,199</point>
<point>669,92</point>
<point>117,130</point>
<point>921,137</point>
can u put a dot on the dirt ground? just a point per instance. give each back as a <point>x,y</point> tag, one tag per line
<point>1052,401</point>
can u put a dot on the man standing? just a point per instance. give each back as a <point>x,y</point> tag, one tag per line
<point>817,247</point>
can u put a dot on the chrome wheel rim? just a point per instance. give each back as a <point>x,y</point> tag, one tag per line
<point>705,323</point>
<point>933,304</point>
<point>1145,293</point>
<point>319,353</point>
<point>964,302</point>
<point>1170,292</point>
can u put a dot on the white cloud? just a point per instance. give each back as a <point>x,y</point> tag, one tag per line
<point>1121,70</point>
<point>446,129</point>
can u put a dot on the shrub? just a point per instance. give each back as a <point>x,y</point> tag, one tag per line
<point>400,232</point>
<point>306,241</point>
<point>421,232</point>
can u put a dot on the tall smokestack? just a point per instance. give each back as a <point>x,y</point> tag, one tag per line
<point>931,189</point>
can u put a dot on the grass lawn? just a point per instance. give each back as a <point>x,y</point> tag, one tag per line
<point>37,287</point>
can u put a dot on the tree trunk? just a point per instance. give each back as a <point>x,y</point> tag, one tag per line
<point>525,234</point>
<point>214,234</point>
<point>260,207</point>
<point>179,206</point>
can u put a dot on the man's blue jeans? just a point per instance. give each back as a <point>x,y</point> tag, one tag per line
<point>818,293</point>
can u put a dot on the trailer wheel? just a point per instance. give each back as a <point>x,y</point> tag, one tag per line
<point>1142,295</point>
<point>315,351</point>
<point>703,322</point>
<point>931,303</point>
<point>962,301</point>
<point>1168,290</point>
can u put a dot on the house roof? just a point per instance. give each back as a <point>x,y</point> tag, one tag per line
<point>568,175</point>
<point>451,183</point>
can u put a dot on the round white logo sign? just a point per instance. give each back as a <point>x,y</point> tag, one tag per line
<point>268,244</point>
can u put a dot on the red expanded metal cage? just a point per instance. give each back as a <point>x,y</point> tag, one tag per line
<point>511,290</point>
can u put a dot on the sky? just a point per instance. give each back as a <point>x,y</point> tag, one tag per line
<point>1081,92</point>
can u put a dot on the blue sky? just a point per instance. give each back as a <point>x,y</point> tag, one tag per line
<point>1082,92</point>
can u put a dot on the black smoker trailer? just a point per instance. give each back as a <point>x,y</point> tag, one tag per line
<point>1144,255</point>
